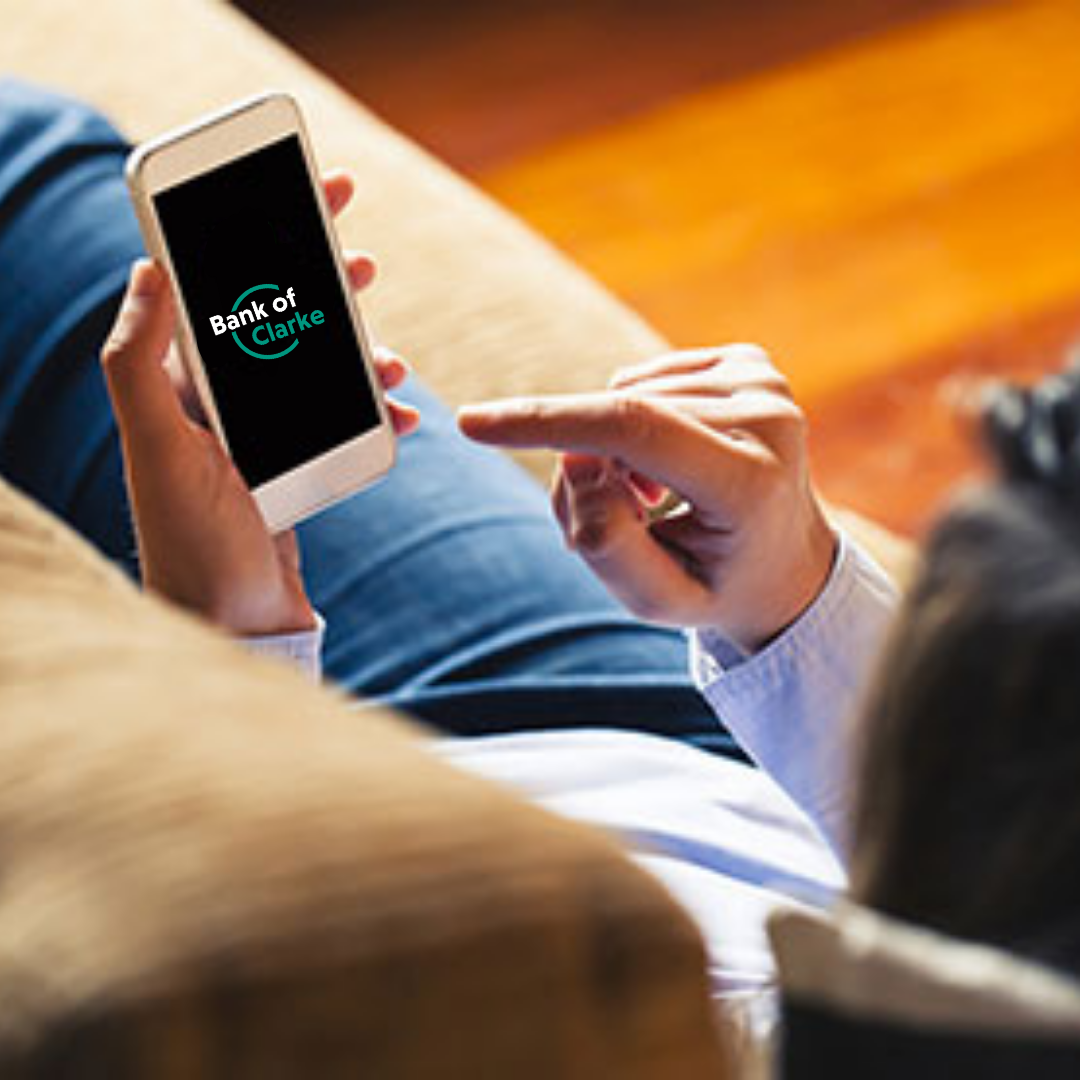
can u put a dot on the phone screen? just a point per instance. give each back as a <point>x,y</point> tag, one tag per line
<point>265,303</point>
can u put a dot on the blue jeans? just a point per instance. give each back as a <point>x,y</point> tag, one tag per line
<point>446,589</point>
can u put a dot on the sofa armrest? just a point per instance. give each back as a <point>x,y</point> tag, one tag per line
<point>212,868</point>
<point>897,555</point>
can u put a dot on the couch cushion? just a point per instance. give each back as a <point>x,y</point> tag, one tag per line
<point>209,867</point>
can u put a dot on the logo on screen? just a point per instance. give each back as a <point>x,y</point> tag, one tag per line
<point>267,331</point>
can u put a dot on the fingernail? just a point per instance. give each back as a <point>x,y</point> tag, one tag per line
<point>391,359</point>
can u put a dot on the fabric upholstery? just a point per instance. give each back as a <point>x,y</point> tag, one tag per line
<point>212,868</point>
<point>864,995</point>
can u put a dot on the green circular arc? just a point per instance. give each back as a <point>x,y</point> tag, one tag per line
<point>251,352</point>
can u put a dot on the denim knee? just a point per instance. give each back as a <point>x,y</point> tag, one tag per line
<point>41,133</point>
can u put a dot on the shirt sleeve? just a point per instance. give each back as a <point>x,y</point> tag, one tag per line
<point>788,703</point>
<point>304,649</point>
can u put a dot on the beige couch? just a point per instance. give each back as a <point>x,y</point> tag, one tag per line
<point>209,868</point>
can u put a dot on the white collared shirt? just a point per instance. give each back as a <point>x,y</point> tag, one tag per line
<point>729,841</point>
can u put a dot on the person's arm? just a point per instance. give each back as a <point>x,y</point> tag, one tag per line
<point>686,488</point>
<point>789,704</point>
<point>202,542</point>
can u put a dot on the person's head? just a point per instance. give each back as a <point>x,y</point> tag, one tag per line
<point>967,815</point>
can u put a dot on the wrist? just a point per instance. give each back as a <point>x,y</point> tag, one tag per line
<point>263,616</point>
<point>803,575</point>
<point>821,547</point>
<point>241,612</point>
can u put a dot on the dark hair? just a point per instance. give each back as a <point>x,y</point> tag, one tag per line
<point>967,815</point>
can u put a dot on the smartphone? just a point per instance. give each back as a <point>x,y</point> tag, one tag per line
<point>268,329</point>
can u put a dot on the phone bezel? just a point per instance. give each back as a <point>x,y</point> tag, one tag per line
<point>199,147</point>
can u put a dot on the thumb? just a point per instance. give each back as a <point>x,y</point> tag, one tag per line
<point>606,524</point>
<point>143,398</point>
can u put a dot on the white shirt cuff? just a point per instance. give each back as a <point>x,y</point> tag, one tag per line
<point>303,648</point>
<point>787,704</point>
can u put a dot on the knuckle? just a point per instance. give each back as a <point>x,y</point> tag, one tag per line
<point>534,411</point>
<point>789,415</point>
<point>124,337</point>
<point>795,429</point>
<point>699,354</point>
<point>782,388</point>
<point>115,351</point>
<point>761,409</point>
<point>783,427</point>
<point>777,382</point>
<point>747,351</point>
<point>759,368</point>
<point>111,352</point>
<point>773,381</point>
<point>635,416</point>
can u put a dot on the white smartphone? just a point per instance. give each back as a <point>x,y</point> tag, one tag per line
<point>268,327</point>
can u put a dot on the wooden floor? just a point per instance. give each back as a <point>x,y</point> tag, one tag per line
<point>884,193</point>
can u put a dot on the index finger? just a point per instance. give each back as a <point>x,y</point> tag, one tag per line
<point>648,435</point>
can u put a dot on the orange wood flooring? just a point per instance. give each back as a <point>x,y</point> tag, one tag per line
<point>883,192</point>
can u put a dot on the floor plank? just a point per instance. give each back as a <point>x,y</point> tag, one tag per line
<point>892,219</point>
<point>481,81</point>
<point>900,446</point>
<point>853,211</point>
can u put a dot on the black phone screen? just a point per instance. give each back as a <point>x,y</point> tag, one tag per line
<point>265,303</point>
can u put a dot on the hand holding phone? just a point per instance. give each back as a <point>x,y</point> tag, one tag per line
<point>203,541</point>
<point>268,331</point>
